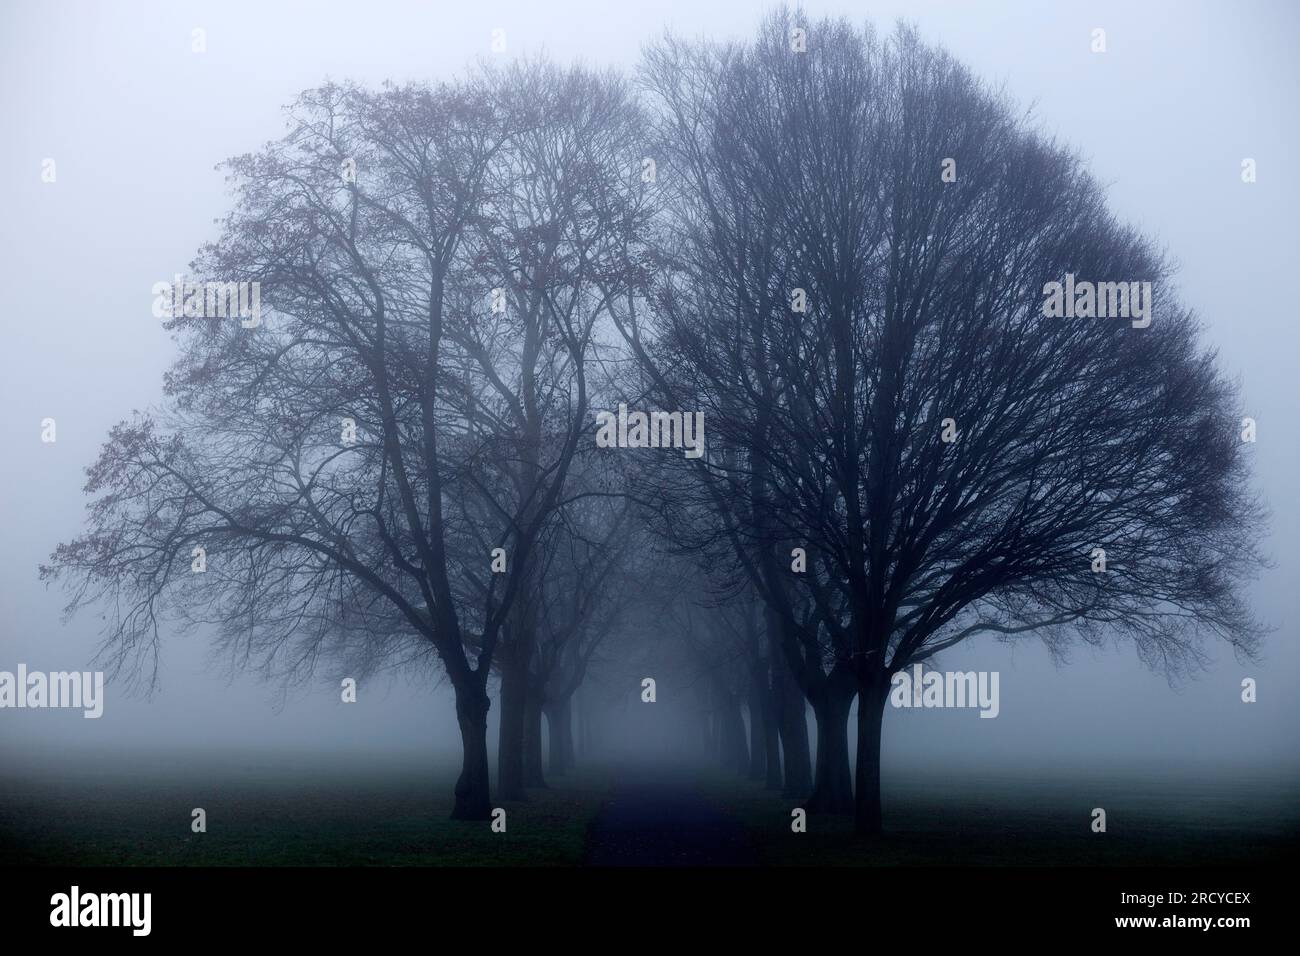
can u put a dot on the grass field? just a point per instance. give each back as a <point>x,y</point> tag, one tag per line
<point>286,812</point>
<point>302,810</point>
<point>1153,819</point>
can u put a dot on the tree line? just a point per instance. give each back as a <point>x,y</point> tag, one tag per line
<point>837,254</point>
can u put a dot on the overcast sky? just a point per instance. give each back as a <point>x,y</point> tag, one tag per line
<point>136,121</point>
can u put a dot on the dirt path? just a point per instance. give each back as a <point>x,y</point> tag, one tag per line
<point>657,822</point>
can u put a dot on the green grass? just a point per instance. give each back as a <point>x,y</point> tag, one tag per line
<point>954,821</point>
<point>323,810</point>
<point>385,817</point>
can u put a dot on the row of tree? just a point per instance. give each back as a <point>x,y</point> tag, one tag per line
<point>834,248</point>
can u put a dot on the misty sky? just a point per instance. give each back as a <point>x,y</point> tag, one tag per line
<point>136,122</point>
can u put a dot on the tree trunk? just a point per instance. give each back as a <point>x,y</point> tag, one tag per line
<point>559,727</point>
<point>735,752</point>
<point>833,785</point>
<point>867,817</point>
<point>771,740</point>
<point>510,739</point>
<point>757,729</point>
<point>473,787</point>
<point>533,775</point>
<point>794,732</point>
<point>581,734</point>
<point>590,737</point>
<point>567,736</point>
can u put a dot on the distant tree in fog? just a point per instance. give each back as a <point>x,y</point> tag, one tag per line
<point>413,400</point>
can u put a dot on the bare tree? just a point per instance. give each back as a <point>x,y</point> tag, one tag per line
<point>886,392</point>
<point>837,251</point>
<point>587,590</point>
<point>562,196</point>
<point>411,403</point>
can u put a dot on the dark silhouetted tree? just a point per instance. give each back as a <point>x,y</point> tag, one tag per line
<point>426,259</point>
<point>883,389</point>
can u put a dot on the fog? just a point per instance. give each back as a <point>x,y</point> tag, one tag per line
<point>136,123</point>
